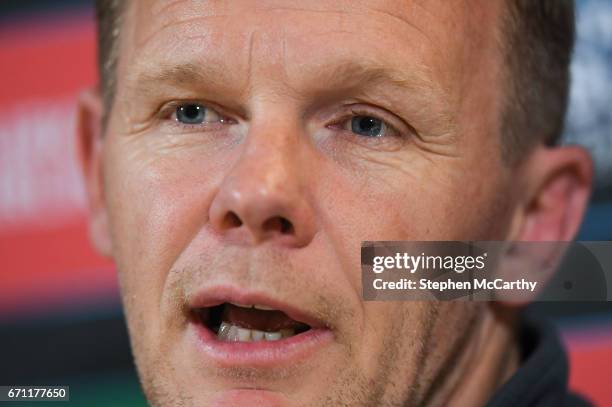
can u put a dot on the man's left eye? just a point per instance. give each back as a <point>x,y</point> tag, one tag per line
<point>367,126</point>
<point>194,113</point>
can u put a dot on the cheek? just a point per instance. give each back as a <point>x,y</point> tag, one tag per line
<point>410,203</point>
<point>393,339</point>
<point>402,206</point>
<point>156,205</point>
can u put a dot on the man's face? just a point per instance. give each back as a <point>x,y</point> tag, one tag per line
<point>252,146</point>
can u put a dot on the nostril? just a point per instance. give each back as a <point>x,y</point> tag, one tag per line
<point>286,226</point>
<point>231,220</point>
<point>278,224</point>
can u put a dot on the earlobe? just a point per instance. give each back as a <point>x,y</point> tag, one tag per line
<point>89,150</point>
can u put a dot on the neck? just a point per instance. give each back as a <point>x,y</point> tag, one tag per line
<point>485,364</point>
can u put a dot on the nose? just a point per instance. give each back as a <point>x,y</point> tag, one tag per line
<point>263,198</point>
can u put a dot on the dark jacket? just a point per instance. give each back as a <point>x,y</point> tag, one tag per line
<point>541,380</point>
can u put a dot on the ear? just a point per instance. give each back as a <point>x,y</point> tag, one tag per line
<point>558,187</point>
<point>89,149</point>
<point>555,193</point>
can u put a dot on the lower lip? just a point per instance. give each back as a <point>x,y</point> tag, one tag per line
<point>261,353</point>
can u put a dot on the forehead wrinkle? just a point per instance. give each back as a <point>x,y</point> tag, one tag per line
<point>284,59</point>
<point>159,9</point>
<point>275,82</point>
<point>142,42</point>
<point>249,76</point>
<point>192,14</point>
<point>405,21</point>
<point>207,14</point>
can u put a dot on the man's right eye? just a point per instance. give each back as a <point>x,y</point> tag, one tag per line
<point>194,113</point>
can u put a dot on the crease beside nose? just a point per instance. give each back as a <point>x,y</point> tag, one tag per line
<point>256,204</point>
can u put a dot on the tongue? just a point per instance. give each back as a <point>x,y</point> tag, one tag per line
<point>261,320</point>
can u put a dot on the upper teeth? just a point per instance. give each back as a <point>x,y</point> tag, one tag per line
<point>256,306</point>
<point>233,333</point>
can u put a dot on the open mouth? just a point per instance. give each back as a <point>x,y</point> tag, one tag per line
<point>233,322</point>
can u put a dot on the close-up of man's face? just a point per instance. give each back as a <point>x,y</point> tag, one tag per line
<point>251,146</point>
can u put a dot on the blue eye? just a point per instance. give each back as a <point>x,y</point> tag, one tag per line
<point>368,126</point>
<point>193,113</point>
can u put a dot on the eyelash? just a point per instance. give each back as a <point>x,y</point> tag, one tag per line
<point>168,113</point>
<point>357,111</point>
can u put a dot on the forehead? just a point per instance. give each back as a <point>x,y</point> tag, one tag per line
<point>296,38</point>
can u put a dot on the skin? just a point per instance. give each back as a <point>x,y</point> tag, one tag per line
<point>288,75</point>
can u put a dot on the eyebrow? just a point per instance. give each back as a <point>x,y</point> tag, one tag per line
<point>352,73</point>
<point>181,75</point>
<point>335,76</point>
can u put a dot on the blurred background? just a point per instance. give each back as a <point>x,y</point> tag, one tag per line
<point>60,315</point>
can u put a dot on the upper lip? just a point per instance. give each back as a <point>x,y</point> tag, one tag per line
<point>216,295</point>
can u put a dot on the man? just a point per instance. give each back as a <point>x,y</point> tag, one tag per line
<point>239,152</point>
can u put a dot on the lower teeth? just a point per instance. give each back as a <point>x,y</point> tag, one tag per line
<point>233,333</point>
